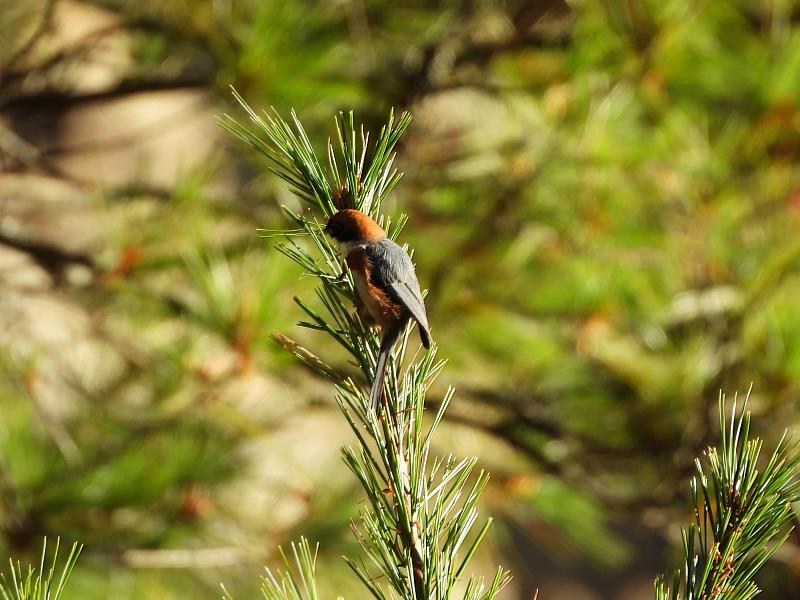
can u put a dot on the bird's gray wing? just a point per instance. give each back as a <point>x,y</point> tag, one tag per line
<point>394,272</point>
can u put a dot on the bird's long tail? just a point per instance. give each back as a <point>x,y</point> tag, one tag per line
<point>387,342</point>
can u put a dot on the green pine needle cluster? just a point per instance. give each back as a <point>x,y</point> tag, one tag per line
<point>297,582</point>
<point>29,583</point>
<point>743,513</point>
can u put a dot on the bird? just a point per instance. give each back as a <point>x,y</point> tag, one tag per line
<point>385,283</point>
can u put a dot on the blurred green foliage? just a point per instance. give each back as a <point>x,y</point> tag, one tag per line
<point>604,203</point>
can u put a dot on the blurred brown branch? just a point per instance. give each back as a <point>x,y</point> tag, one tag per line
<point>28,45</point>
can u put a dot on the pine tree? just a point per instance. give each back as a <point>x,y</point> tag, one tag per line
<point>418,532</point>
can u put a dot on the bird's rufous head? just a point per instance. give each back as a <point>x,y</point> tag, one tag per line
<point>353,226</point>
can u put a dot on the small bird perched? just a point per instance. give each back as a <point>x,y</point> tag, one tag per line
<point>385,282</point>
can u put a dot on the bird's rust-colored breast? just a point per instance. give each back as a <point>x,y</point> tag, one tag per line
<point>380,306</point>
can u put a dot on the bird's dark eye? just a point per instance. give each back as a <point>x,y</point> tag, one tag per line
<point>341,229</point>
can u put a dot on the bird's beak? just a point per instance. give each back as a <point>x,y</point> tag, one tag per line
<point>327,229</point>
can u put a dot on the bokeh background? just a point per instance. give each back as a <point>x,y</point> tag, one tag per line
<point>604,201</point>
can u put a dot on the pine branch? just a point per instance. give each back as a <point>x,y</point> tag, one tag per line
<point>743,514</point>
<point>418,531</point>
